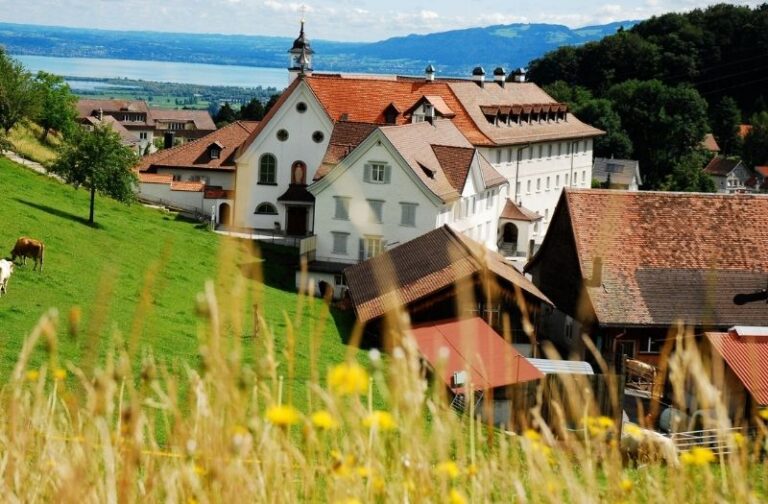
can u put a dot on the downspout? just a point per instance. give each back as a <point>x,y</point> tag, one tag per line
<point>517,169</point>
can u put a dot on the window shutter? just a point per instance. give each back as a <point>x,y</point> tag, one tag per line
<point>367,173</point>
<point>387,173</point>
<point>361,250</point>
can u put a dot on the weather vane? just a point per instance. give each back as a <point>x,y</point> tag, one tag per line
<point>303,10</point>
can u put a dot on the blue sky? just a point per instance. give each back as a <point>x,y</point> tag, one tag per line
<point>348,20</point>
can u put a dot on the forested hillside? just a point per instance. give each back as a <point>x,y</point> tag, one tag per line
<point>658,87</point>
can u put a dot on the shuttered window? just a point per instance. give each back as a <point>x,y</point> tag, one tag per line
<point>376,214</point>
<point>377,173</point>
<point>342,207</point>
<point>340,242</point>
<point>408,214</point>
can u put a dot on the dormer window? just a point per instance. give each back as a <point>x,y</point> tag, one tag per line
<point>215,152</point>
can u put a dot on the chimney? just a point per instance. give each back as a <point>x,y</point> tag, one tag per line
<point>499,76</point>
<point>478,75</point>
<point>519,75</point>
<point>168,140</point>
<point>429,73</point>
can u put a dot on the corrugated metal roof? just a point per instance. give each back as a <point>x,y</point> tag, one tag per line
<point>472,345</point>
<point>550,366</point>
<point>746,355</point>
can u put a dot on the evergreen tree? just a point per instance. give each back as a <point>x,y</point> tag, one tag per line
<point>225,115</point>
<point>252,111</point>
<point>725,121</point>
<point>755,150</point>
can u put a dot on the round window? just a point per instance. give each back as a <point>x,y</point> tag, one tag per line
<point>318,136</point>
<point>301,107</point>
<point>282,135</point>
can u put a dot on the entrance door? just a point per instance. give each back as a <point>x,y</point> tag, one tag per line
<point>224,214</point>
<point>296,218</point>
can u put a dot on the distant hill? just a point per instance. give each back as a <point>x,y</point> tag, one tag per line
<point>453,52</point>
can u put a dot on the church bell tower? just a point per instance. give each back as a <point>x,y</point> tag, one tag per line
<point>300,56</point>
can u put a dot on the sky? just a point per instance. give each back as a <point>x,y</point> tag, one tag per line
<point>341,20</point>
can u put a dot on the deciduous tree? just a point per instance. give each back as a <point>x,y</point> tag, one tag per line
<point>18,93</point>
<point>100,162</point>
<point>755,150</point>
<point>725,120</point>
<point>57,109</point>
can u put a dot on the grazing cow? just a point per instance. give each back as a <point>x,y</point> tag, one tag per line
<point>28,247</point>
<point>6,268</point>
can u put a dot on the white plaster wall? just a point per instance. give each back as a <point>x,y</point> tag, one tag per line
<point>298,147</point>
<point>533,168</point>
<point>351,184</point>
<point>161,193</point>
<point>225,179</point>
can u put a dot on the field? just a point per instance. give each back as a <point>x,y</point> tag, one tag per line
<point>127,376</point>
<point>25,138</point>
<point>135,277</point>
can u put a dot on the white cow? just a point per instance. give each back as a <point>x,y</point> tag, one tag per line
<point>6,268</point>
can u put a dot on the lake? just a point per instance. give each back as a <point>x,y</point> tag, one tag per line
<point>160,71</point>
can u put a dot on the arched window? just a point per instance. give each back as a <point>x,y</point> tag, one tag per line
<point>266,209</point>
<point>267,169</point>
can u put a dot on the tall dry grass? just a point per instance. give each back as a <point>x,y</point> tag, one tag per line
<point>128,429</point>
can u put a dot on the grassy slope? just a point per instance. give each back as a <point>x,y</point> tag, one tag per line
<point>106,270</point>
<point>25,138</point>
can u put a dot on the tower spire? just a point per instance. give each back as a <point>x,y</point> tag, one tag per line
<point>300,62</point>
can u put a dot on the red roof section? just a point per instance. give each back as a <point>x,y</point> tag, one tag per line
<point>746,356</point>
<point>472,345</point>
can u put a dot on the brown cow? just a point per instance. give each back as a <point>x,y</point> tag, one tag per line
<point>28,247</point>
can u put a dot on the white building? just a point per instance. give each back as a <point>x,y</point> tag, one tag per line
<point>530,139</point>
<point>399,183</point>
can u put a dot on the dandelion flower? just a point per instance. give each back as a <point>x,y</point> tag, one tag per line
<point>739,439</point>
<point>323,420</point>
<point>763,413</point>
<point>32,375</point>
<point>381,420</point>
<point>626,484</point>
<point>363,472</point>
<point>282,415</point>
<point>471,470</point>
<point>59,374</point>
<point>449,469</point>
<point>455,497</point>
<point>634,431</point>
<point>698,456</point>
<point>348,379</point>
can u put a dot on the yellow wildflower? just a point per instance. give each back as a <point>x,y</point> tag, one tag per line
<point>455,497</point>
<point>739,439</point>
<point>323,420</point>
<point>349,500</point>
<point>698,456</point>
<point>59,374</point>
<point>626,484</point>
<point>379,484</point>
<point>348,379</point>
<point>448,468</point>
<point>363,472</point>
<point>532,435</point>
<point>32,375</point>
<point>763,413</point>
<point>634,431</point>
<point>199,470</point>
<point>598,426</point>
<point>282,415</point>
<point>471,470</point>
<point>381,420</point>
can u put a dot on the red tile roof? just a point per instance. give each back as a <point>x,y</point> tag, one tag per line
<point>195,154</point>
<point>155,178</point>
<point>721,166</point>
<point>87,107</point>
<point>178,185</point>
<point>473,346</point>
<point>747,357</point>
<point>709,143</point>
<point>666,256</point>
<point>512,211</point>
<point>422,267</point>
<point>744,130</point>
<point>201,118</point>
<point>455,162</point>
<point>345,137</point>
<point>762,170</point>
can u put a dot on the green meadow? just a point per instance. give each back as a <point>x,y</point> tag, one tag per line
<point>135,281</point>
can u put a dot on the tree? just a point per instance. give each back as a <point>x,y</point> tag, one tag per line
<point>18,96</point>
<point>99,161</point>
<point>271,103</point>
<point>725,120</point>
<point>574,96</point>
<point>57,109</point>
<point>688,175</point>
<point>600,114</point>
<point>665,123</point>
<point>755,150</point>
<point>225,115</point>
<point>253,111</point>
